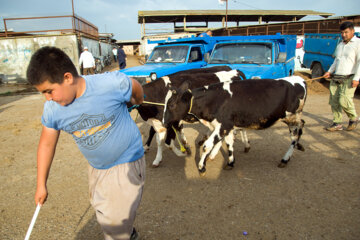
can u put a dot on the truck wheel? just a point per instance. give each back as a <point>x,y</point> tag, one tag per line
<point>317,71</point>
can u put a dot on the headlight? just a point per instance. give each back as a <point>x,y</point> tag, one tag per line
<point>153,76</point>
<point>255,77</point>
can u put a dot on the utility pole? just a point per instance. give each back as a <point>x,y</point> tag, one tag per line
<point>226,12</point>
<point>73,16</point>
<point>226,15</point>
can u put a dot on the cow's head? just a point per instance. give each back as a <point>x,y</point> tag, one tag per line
<point>177,105</point>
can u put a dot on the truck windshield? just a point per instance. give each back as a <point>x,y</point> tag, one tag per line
<point>240,53</point>
<point>174,54</point>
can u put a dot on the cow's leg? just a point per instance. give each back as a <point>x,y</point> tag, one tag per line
<point>148,141</point>
<point>214,151</point>
<point>159,138</point>
<point>184,141</point>
<point>295,135</point>
<point>178,152</point>
<point>229,139</point>
<point>208,146</point>
<point>245,140</point>
<point>211,129</point>
<point>170,142</point>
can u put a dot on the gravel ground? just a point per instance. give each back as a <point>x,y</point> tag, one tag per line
<point>317,196</point>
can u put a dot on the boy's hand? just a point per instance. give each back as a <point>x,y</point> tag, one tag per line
<point>41,195</point>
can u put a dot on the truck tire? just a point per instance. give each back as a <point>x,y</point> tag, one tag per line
<point>317,71</point>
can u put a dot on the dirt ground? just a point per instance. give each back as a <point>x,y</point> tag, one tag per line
<point>317,196</point>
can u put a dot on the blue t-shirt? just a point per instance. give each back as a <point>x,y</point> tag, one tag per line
<point>99,121</point>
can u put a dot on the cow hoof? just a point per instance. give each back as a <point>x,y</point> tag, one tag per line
<point>155,165</point>
<point>300,147</point>
<point>202,172</point>
<point>246,150</point>
<point>283,163</point>
<point>228,166</point>
<point>146,149</point>
<point>188,150</point>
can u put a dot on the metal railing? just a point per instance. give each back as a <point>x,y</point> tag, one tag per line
<point>79,26</point>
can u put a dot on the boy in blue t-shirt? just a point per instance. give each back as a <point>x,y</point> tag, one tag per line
<point>93,110</point>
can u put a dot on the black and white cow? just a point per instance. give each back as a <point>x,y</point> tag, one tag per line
<point>185,73</point>
<point>253,104</point>
<point>156,91</point>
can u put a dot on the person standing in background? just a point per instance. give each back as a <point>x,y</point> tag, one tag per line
<point>208,33</point>
<point>344,74</point>
<point>115,53</point>
<point>121,57</point>
<point>88,62</point>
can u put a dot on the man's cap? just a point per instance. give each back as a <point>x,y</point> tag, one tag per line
<point>85,48</point>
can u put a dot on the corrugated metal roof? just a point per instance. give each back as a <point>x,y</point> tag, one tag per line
<point>164,16</point>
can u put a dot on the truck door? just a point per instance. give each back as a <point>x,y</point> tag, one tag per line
<point>196,57</point>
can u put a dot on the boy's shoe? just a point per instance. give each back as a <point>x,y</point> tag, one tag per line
<point>335,127</point>
<point>134,235</point>
<point>352,125</point>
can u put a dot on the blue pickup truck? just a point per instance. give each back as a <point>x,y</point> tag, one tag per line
<point>171,56</point>
<point>264,56</point>
<point>319,52</point>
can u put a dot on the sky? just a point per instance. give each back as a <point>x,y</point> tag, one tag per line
<point>120,17</point>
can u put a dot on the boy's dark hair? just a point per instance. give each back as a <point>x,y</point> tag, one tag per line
<point>346,25</point>
<point>49,63</point>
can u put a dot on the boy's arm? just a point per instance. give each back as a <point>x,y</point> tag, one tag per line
<point>45,154</point>
<point>137,96</point>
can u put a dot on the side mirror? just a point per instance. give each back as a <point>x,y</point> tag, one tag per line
<point>206,57</point>
<point>281,57</point>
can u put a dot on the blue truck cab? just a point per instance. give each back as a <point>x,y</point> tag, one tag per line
<point>258,57</point>
<point>171,56</point>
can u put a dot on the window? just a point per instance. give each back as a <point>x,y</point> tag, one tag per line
<point>195,54</point>
<point>240,53</point>
<point>175,54</point>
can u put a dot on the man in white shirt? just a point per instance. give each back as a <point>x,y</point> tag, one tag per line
<point>88,62</point>
<point>115,53</point>
<point>345,75</point>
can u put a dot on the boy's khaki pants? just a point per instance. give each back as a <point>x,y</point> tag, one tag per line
<point>115,194</point>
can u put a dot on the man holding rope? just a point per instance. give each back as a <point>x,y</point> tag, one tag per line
<point>345,75</point>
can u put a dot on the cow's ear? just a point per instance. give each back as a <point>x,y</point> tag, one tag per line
<point>184,86</point>
<point>187,95</point>
<point>174,92</point>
